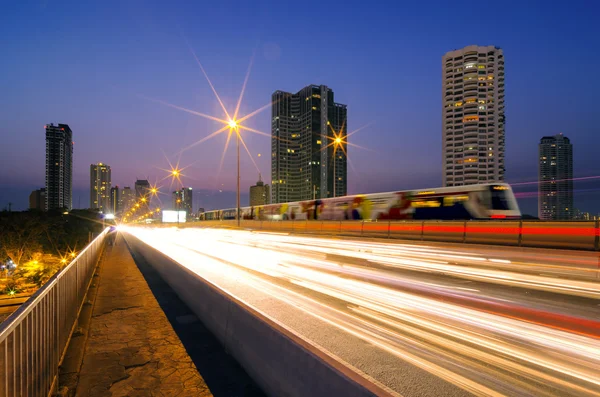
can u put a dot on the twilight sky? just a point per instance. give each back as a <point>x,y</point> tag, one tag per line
<point>91,65</point>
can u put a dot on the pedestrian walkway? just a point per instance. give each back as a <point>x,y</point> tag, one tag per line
<point>132,349</point>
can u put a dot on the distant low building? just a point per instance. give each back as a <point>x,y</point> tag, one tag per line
<point>37,199</point>
<point>260,193</point>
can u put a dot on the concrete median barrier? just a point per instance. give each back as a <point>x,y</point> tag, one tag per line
<point>281,362</point>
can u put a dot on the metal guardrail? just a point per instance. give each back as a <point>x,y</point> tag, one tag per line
<point>34,338</point>
<point>582,235</point>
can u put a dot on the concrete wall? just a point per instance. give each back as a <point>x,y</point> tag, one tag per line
<point>564,235</point>
<point>281,363</point>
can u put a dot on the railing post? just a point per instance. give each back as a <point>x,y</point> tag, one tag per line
<point>362,227</point>
<point>465,232</point>
<point>422,230</point>
<point>520,239</point>
<point>597,235</point>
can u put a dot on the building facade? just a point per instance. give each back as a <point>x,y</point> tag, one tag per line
<point>100,187</point>
<point>473,121</point>
<point>304,151</point>
<point>260,193</point>
<point>59,167</point>
<point>115,200</point>
<point>127,198</point>
<point>555,187</point>
<point>142,187</point>
<point>37,200</point>
<point>183,200</point>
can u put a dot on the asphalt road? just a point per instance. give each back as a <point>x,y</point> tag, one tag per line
<point>421,319</point>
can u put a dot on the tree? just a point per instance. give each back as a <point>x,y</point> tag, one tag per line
<point>20,235</point>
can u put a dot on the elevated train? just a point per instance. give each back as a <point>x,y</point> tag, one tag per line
<point>485,201</point>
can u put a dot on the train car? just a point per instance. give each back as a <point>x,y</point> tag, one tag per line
<point>485,201</point>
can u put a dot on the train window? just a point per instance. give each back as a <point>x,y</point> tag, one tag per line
<point>449,201</point>
<point>500,200</point>
<point>426,203</point>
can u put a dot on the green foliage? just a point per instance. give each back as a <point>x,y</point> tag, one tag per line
<point>43,237</point>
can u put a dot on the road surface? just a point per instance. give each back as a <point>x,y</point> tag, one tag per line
<point>420,319</point>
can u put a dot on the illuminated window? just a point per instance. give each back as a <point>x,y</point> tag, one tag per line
<point>318,142</point>
<point>314,108</point>
<point>316,96</point>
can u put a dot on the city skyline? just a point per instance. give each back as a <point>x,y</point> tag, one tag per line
<point>400,95</point>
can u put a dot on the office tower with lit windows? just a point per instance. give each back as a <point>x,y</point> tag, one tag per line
<point>306,160</point>
<point>127,198</point>
<point>59,167</point>
<point>473,123</point>
<point>555,187</point>
<point>115,201</point>
<point>182,200</point>
<point>260,193</point>
<point>100,181</point>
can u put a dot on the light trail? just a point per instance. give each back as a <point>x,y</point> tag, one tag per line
<point>480,320</point>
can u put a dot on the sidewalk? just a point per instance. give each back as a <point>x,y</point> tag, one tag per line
<point>132,349</point>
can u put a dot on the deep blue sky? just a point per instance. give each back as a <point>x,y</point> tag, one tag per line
<point>87,65</point>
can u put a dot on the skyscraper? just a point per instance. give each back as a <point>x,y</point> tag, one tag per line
<point>303,129</point>
<point>473,116</point>
<point>59,167</point>
<point>260,194</point>
<point>127,198</point>
<point>182,200</point>
<point>100,187</point>
<point>142,187</point>
<point>555,191</point>
<point>115,202</point>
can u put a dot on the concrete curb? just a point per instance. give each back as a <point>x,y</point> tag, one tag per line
<point>281,363</point>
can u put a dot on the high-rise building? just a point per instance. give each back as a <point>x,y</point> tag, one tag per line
<point>304,151</point>
<point>127,198</point>
<point>183,199</point>
<point>37,200</point>
<point>59,167</point>
<point>115,202</point>
<point>100,187</point>
<point>555,195</point>
<point>473,116</point>
<point>260,193</point>
<point>142,187</point>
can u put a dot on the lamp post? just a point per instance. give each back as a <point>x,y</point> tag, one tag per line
<point>234,126</point>
<point>336,142</point>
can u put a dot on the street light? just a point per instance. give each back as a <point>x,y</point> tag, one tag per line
<point>233,125</point>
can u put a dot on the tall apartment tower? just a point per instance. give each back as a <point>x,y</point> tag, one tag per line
<point>259,193</point>
<point>555,188</point>
<point>304,152</point>
<point>100,184</point>
<point>473,129</point>
<point>142,187</point>
<point>59,167</point>
<point>183,200</point>
<point>115,200</point>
